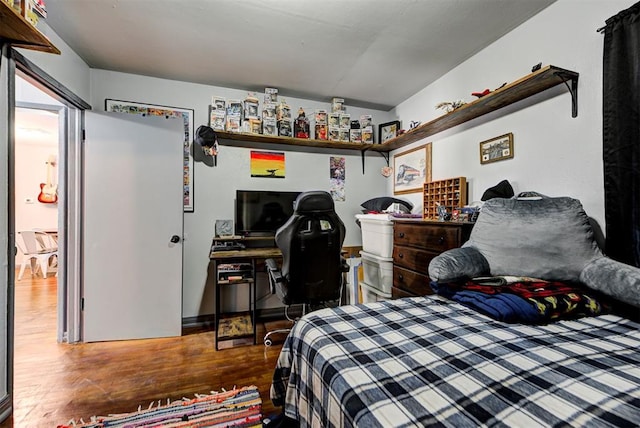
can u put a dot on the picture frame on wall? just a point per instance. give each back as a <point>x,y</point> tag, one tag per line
<point>412,169</point>
<point>142,109</point>
<point>387,131</point>
<point>496,149</point>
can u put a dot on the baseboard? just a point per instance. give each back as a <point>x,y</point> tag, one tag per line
<point>208,322</point>
<point>198,323</point>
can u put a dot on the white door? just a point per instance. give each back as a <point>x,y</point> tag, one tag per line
<point>132,272</point>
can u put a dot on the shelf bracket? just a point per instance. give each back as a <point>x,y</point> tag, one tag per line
<point>573,90</point>
<point>385,156</point>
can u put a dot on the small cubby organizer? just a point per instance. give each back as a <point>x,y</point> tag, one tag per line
<point>450,193</point>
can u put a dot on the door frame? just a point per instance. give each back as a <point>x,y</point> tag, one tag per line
<point>61,304</point>
<point>70,212</point>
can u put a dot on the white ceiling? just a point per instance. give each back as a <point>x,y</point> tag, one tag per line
<point>373,53</point>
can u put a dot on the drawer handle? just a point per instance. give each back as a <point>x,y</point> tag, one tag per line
<point>400,255</point>
<point>441,240</point>
<point>401,277</point>
<point>401,234</point>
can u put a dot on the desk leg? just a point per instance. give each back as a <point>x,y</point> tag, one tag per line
<point>252,299</point>
<point>217,304</point>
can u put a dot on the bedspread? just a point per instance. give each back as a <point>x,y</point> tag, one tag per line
<point>428,361</point>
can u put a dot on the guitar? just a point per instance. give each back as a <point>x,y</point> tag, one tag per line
<point>48,191</point>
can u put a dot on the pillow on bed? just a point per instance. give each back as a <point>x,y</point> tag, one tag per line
<point>549,238</point>
<point>382,203</point>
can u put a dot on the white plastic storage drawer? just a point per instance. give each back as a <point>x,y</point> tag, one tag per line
<point>371,294</point>
<point>377,234</point>
<point>378,271</point>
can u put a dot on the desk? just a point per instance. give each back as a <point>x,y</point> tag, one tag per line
<point>240,268</point>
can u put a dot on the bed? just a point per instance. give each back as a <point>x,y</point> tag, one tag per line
<point>429,361</point>
<point>521,333</point>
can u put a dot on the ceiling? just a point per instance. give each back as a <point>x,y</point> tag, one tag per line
<point>372,53</point>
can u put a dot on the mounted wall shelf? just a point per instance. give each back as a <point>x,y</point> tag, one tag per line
<point>14,29</point>
<point>536,82</point>
<point>254,140</point>
<point>531,84</point>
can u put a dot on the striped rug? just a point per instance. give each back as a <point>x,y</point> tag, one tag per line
<point>240,407</point>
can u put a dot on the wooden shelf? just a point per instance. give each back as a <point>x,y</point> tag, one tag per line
<point>531,84</point>
<point>536,82</point>
<point>254,140</point>
<point>16,30</point>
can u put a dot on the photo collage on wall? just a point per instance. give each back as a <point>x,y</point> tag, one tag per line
<point>186,115</point>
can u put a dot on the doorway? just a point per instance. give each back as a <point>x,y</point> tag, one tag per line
<point>38,191</point>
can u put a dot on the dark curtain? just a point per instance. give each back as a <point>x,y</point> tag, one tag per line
<point>621,135</point>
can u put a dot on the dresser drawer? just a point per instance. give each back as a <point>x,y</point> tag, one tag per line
<point>398,293</point>
<point>413,258</point>
<point>433,237</point>
<point>411,282</point>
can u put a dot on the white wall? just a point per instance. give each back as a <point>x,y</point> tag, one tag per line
<point>33,150</point>
<point>67,68</point>
<point>555,154</point>
<point>215,187</point>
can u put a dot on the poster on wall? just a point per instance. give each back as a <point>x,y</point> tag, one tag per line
<point>141,109</point>
<point>337,175</point>
<point>267,164</point>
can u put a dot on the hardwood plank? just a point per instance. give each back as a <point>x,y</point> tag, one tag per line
<point>54,383</point>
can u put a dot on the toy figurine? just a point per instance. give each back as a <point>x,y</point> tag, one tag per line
<point>301,125</point>
<point>449,106</point>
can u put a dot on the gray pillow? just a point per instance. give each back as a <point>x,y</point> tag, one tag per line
<point>614,279</point>
<point>549,238</point>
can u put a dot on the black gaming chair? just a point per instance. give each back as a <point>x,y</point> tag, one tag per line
<point>313,269</point>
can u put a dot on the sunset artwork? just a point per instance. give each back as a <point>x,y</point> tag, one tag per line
<point>267,164</point>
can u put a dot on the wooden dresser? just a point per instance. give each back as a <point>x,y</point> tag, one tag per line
<point>415,243</point>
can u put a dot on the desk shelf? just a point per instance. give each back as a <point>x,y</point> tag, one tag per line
<point>231,326</point>
<point>246,261</point>
<point>237,325</point>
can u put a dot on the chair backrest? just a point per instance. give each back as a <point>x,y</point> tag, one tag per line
<point>311,242</point>
<point>34,242</point>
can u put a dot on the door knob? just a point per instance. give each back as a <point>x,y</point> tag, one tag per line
<point>175,239</point>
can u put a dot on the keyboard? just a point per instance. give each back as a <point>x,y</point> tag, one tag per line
<point>227,246</point>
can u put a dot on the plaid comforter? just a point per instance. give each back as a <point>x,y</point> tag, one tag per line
<point>428,361</point>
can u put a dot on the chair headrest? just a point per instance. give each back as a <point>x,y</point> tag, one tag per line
<point>315,201</point>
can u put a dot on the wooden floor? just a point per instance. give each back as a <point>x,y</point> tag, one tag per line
<point>54,383</point>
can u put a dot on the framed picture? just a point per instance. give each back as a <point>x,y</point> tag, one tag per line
<point>497,149</point>
<point>387,131</point>
<point>412,169</point>
<point>186,115</point>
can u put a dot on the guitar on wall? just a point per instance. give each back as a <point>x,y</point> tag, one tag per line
<point>48,191</point>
